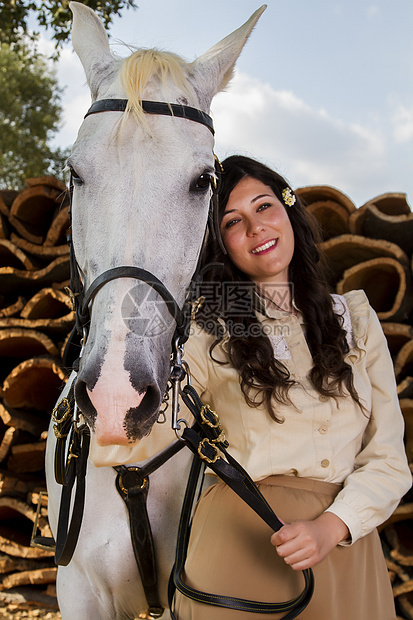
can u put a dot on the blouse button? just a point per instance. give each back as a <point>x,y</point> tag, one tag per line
<point>322,398</point>
<point>325,463</point>
<point>323,429</point>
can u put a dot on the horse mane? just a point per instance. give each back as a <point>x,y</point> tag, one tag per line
<point>144,64</point>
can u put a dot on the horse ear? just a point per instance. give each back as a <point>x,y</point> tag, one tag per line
<point>215,68</point>
<point>90,41</point>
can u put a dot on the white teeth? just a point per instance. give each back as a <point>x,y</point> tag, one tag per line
<point>261,248</point>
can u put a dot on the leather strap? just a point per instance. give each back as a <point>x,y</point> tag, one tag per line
<point>67,535</point>
<point>133,488</point>
<point>62,431</point>
<point>209,445</point>
<point>70,469</point>
<point>242,484</point>
<point>154,107</point>
<point>132,484</point>
<point>139,274</point>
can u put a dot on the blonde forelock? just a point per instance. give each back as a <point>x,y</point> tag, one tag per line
<point>145,64</point>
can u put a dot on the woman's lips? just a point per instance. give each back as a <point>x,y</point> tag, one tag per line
<point>264,247</point>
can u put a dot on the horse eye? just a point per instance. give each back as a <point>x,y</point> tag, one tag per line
<point>75,178</point>
<point>203,182</point>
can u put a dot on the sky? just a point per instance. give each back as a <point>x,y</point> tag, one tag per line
<point>323,90</point>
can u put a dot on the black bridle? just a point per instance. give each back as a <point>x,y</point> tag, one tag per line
<point>159,108</point>
<point>69,471</point>
<point>81,298</point>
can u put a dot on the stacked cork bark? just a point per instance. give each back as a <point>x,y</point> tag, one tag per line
<point>35,318</point>
<point>371,248</point>
<point>367,248</point>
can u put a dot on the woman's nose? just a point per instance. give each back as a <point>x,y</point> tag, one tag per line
<point>254,226</point>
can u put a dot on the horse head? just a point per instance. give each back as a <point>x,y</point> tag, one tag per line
<point>141,191</point>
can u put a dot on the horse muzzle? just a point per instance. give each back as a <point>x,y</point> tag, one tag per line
<point>120,405</point>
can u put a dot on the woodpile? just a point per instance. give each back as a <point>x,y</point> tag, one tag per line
<point>35,318</point>
<point>369,247</point>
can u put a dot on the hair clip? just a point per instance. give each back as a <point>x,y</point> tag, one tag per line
<point>288,197</point>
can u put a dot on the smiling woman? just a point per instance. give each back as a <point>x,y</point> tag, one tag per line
<point>304,386</point>
<point>257,232</point>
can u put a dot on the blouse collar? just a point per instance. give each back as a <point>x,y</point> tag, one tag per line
<point>271,311</point>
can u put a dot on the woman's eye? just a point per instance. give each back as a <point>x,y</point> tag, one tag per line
<point>230,223</point>
<point>263,207</point>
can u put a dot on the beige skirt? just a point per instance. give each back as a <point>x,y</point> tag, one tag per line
<point>230,554</point>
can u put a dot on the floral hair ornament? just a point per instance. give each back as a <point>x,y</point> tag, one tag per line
<point>288,197</point>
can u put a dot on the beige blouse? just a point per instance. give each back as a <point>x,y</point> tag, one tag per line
<point>319,438</point>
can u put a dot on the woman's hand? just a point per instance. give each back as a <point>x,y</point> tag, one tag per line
<point>304,544</point>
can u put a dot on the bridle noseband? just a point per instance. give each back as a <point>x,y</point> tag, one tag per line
<point>83,298</point>
<point>139,274</point>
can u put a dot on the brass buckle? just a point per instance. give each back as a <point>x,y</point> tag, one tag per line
<point>124,489</point>
<point>217,161</point>
<point>204,457</point>
<point>221,438</point>
<point>195,306</point>
<point>58,434</point>
<point>72,296</point>
<point>215,423</point>
<point>37,517</point>
<point>65,403</point>
<point>71,455</point>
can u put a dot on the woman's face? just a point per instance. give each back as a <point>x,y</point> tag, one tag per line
<point>257,232</point>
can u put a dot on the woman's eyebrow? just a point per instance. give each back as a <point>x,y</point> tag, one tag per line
<point>261,196</point>
<point>253,200</point>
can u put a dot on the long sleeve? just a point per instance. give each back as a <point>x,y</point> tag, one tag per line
<point>381,473</point>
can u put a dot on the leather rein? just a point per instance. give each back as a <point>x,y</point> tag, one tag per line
<point>205,439</point>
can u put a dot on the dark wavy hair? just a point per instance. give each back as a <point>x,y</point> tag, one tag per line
<point>264,379</point>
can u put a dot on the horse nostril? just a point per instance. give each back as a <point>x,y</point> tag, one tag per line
<point>139,420</point>
<point>139,414</point>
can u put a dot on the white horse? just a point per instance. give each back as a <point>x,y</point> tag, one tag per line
<point>141,191</point>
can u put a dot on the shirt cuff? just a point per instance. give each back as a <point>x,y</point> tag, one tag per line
<point>350,517</point>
